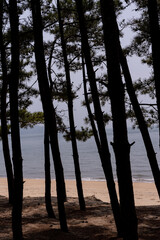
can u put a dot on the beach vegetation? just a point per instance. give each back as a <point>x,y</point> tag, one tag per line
<point>48,108</point>
<point>15,130</point>
<point>120,145</point>
<point>58,51</point>
<point>70,108</point>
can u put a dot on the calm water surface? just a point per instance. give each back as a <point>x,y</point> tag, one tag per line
<point>33,156</point>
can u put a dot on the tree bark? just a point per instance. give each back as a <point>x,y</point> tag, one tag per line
<point>71,115</point>
<point>48,200</point>
<point>5,143</point>
<point>121,145</point>
<point>15,132</point>
<point>49,111</point>
<point>155,39</point>
<point>105,154</point>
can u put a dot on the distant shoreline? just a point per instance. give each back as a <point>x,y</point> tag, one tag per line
<point>90,164</point>
<point>145,193</point>
<point>134,180</point>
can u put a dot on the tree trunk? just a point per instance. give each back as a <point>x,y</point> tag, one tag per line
<point>5,143</point>
<point>90,115</point>
<point>71,115</point>
<point>49,111</point>
<point>121,146</point>
<point>15,132</point>
<point>155,39</point>
<point>141,122</point>
<point>105,154</point>
<point>47,174</point>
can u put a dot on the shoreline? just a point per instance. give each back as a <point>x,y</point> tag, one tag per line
<point>145,193</point>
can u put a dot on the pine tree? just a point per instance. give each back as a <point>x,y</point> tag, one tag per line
<point>155,39</point>
<point>49,111</point>
<point>4,127</point>
<point>105,154</point>
<point>71,115</point>
<point>121,145</point>
<point>15,132</point>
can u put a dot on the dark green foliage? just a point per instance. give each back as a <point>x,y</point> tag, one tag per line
<point>82,135</point>
<point>28,119</point>
<point>141,47</point>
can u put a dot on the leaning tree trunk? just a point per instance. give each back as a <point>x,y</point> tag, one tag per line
<point>90,115</point>
<point>121,145</point>
<point>49,111</point>
<point>71,115</point>
<point>48,200</point>
<point>5,143</point>
<point>155,40</point>
<point>141,122</point>
<point>105,154</point>
<point>15,132</point>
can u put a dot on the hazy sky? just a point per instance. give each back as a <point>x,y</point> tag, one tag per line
<point>137,70</point>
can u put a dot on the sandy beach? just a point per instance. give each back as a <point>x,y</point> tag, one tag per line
<point>145,193</point>
<point>95,223</point>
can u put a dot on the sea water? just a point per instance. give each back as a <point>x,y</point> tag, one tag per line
<point>90,164</point>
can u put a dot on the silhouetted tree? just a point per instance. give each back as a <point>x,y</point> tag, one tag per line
<point>49,111</point>
<point>141,121</point>
<point>4,127</point>
<point>105,154</point>
<point>90,115</point>
<point>121,145</point>
<point>70,112</point>
<point>48,200</point>
<point>141,46</point>
<point>14,115</point>
<point>155,40</point>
